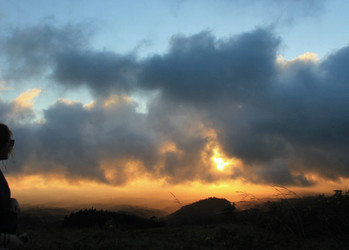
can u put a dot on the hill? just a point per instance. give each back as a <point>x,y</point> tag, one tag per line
<point>207,211</point>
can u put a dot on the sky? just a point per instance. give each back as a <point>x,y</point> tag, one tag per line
<point>131,100</point>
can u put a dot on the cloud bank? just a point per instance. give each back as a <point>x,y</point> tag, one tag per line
<point>285,121</point>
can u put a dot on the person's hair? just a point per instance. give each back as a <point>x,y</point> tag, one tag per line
<point>5,134</point>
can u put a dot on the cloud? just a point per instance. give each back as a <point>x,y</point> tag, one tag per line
<point>26,99</point>
<point>101,71</point>
<point>74,140</point>
<point>110,142</point>
<point>20,109</point>
<point>264,112</point>
<point>283,120</point>
<point>27,52</point>
<point>63,55</point>
<point>300,120</point>
<point>200,68</point>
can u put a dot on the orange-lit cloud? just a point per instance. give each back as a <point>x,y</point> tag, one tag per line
<point>116,99</point>
<point>309,57</point>
<point>26,99</point>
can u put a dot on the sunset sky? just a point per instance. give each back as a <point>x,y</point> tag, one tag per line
<point>127,101</point>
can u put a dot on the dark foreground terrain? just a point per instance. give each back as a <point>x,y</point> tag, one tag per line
<point>318,222</point>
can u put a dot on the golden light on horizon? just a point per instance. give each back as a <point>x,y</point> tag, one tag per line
<point>56,190</point>
<point>59,191</point>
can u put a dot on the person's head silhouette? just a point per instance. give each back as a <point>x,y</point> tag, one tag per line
<point>6,143</point>
<point>9,207</point>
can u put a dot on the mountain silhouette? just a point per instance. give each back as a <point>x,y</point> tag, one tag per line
<point>207,211</point>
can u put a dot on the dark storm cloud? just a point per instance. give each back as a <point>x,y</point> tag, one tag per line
<point>301,119</point>
<point>101,71</point>
<point>200,68</point>
<point>11,112</point>
<point>63,54</point>
<point>74,141</point>
<point>235,83</point>
<point>185,127</point>
<point>28,52</point>
<point>280,173</point>
<point>264,112</point>
<point>5,110</point>
<point>283,120</point>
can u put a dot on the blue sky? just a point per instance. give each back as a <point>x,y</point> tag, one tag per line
<point>166,89</point>
<point>122,26</point>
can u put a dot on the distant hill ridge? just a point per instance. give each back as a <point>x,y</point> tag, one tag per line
<point>207,211</point>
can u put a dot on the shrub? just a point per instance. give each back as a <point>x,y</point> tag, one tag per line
<point>106,219</point>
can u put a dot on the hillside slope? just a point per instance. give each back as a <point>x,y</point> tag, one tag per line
<point>207,211</point>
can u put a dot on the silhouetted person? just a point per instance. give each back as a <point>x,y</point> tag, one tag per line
<point>9,208</point>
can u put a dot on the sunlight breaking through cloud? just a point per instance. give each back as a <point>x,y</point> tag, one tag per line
<point>213,110</point>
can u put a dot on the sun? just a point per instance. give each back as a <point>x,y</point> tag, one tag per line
<point>220,163</point>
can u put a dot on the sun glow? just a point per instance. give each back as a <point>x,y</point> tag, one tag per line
<point>224,163</point>
<point>220,163</point>
<point>219,160</point>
